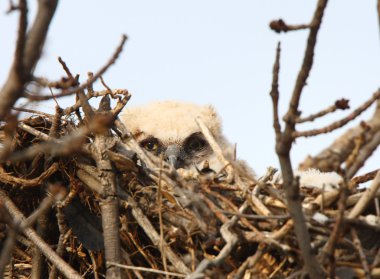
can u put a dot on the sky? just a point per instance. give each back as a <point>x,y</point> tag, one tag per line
<point>217,52</point>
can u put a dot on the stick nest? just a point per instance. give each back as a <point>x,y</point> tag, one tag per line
<point>196,226</point>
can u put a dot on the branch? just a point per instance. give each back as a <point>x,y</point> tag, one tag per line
<point>35,39</point>
<point>18,217</point>
<point>369,194</point>
<point>284,144</point>
<point>332,157</point>
<point>91,80</point>
<point>274,92</point>
<point>340,104</point>
<point>363,155</point>
<point>340,123</point>
<point>279,26</point>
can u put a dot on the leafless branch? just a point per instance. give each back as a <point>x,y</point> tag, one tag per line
<point>342,122</point>
<point>84,85</point>
<point>34,41</point>
<point>279,26</point>
<point>340,104</point>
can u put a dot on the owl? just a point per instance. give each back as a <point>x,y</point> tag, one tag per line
<point>169,129</point>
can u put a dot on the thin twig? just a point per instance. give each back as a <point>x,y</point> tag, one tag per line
<point>89,81</point>
<point>340,123</point>
<point>363,155</point>
<point>151,270</point>
<point>35,39</point>
<point>363,202</point>
<point>280,26</point>
<point>274,92</point>
<point>340,104</point>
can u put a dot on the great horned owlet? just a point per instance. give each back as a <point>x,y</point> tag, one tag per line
<point>169,128</point>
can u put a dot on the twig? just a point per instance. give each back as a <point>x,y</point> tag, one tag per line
<point>368,195</point>
<point>27,183</point>
<point>231,240</point>
<point>327,253</point>
<point>33,111</point>
<point>274,92</point>
<point>216,148</point>
<point>364,154</point>
<point>365,177</point>
<point>279,26</point>
<point>340,123</point>
<point>340,104</point>
<point>359,248</point>
<point>89,81</point>
<point>35,39</point>
<point>159,202</point>
<point>38,134</point>
<point>21,37</point>
<point>148,270</point>
<point>18,217</point>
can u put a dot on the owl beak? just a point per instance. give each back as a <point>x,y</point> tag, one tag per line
<point>173,155</point>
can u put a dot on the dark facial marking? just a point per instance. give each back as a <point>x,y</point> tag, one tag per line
<point>195,143</point>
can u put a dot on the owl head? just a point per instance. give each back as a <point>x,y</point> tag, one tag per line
<point>168,128</point>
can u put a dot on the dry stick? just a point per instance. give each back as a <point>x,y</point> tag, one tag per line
<point>340,104</point>
<point>151,270</point>
<point>38,134</point>
<point>340,123</point>
<point>8,245</point>
<point>280,26</point>
<point>18,217</point>
<point>27,183</point>
<point>90,177</point>
<point>159,202</point>
<point>275,94</point>
<point>249,262</point>
<point>284,145</point>
<point>327,253</point>
<point>89,81</point>
<point>60,246</point>
<point>231,240</point>
<point>21,37</point>
<point>368,195</point>
<point>364,154</point>
<point>35,39</point>
<point>332,157</point>
<point>362,256</point>
<point>109,204</point>
<point>33,112</point>
<point>216,148</point>
<point>365,177</point>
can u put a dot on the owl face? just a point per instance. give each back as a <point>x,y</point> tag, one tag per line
<point>169,129</point>
<point>180,153</point>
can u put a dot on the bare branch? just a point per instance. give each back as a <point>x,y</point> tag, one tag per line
<point>279,26</point>
<point>89,81</point>
<point>340,104</point>
<point>14,85</point>
<point>340,123</point>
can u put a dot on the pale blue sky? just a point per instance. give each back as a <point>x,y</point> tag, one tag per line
<point>217,52</point>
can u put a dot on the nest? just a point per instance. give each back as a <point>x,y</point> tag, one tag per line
<point>93,195</point>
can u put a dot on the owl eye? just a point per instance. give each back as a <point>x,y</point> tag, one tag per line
<point>195,143</point>
<point>150,144</point>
